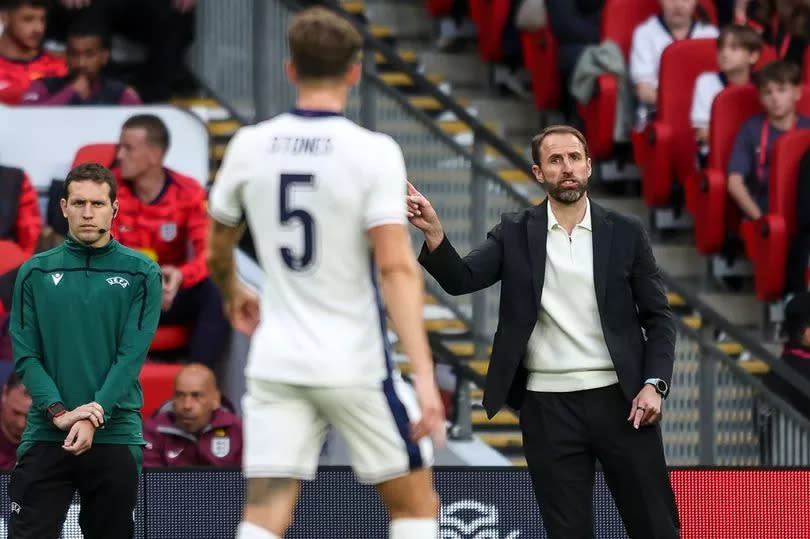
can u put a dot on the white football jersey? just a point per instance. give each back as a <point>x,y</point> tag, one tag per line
<point>311,184</point>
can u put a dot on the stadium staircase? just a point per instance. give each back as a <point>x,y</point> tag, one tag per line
<point>405,26</point>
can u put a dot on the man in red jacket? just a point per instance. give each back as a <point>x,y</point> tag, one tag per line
<point>163,213</point>
<point>20,227</point>
<point>196,430</point>
<point>22,59</point>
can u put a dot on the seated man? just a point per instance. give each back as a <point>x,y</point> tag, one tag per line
<point>22,59</point>
<point>14,405</point>
<point>163,213</point>
<point>749,167</point>
<point>738,50</point>
<point>20,227</point>
<point>88,51</point>
<point>796,352</point>
<point>196,430</point>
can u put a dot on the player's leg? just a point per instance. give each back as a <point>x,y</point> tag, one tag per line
<point>283,434</point>
<point>107,479</point>
<point>375,422</point>
<point>40,492</point>
<point>413,505</point>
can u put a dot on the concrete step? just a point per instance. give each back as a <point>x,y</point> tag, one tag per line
<point>680,260</point>
<point>519,119</point>
<point>463,70</point>
<point>409,21</point>
<point>739,309</point>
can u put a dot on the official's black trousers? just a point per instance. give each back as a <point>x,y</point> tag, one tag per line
<point>45,478</point>
<point>564,434</point>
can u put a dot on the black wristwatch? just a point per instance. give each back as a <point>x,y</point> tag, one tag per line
<point>55,410</point>
<point>660,385</point>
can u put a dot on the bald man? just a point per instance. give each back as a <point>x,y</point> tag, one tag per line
<point>196,430</point>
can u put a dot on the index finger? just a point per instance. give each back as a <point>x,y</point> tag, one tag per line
<point>638,416</point>
<point>413,190</point>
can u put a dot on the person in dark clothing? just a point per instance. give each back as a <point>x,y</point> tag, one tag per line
<point>88,51</point>
<point>784,24</point>
<point>164,27</point>
<point>799,254</point>
<point>83,317</point>
<point>796,353</point>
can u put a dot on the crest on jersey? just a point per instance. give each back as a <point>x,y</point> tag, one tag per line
<point>118,280</point>
<point>220,446</point>
<point>168,231</point>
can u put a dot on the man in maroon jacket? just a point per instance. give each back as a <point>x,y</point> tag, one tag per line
<point>196,430</point>
<point>14,405</point>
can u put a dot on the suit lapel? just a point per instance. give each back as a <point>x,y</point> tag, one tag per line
<point>602,236</point>
<point>537,226</point>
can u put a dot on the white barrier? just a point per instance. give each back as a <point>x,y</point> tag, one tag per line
<point>43,140</point>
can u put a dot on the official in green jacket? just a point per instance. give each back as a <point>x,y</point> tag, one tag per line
<point>83,317</point>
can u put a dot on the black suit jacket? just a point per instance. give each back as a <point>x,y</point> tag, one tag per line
<point>635,315</point>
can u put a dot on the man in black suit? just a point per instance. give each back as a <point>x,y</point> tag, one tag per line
<point>585,334</point>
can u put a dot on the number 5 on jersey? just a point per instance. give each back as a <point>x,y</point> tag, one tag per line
<point>287,214</point>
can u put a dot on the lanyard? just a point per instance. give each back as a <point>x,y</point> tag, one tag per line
<point>804,354</point>
<point>764,134</point>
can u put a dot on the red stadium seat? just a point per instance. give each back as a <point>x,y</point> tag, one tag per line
<point>619,20</point>
<point>157,382</point>
<point>169,338</point>
<point>540,59</point>
<point>439,8</point>
<point>103,154</point>
<point>767,239</point>
<point>667,146</point>
<point>490,18</point>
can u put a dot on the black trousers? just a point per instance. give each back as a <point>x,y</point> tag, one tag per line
<point>201,305</point>
<point>45,478</point>
<point>564,434</point>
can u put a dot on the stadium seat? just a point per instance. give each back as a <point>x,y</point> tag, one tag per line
<point>103,154</point>
<point>157,382</point>
<point>706,194</point>
<point>666,149</point>
<point>619,20</point>
<point>767,239</point>
<point>490,16</point>
<point>439,8</point>
<point>540,59</point>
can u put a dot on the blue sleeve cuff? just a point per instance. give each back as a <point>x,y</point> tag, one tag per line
<point>651,381</point>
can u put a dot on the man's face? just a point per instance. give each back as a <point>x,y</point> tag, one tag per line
<point>26,25</point>
<point>195,399</point>
<point>89,211</point>
<point>135,154</point>
<point>564,169</point>
<point>16,403</point>
<point>779,98</point>
<point>86,56</point>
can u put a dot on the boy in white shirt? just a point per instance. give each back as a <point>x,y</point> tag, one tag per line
<point>738,49</point>
<point>679,19</point>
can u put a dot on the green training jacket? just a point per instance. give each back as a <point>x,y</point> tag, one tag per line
<point>82,321</point>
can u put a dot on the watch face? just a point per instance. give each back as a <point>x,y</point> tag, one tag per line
<point>661,386</point>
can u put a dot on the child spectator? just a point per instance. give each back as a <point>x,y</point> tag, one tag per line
<point>88,51</point>
<point>196,430</point>
<point>749,166</point>
<point>679,19</point>
<point>163,213</point>
<point>22,59</point>
<point>738,49</point>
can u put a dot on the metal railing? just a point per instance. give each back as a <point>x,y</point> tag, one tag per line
<point>717,413</point>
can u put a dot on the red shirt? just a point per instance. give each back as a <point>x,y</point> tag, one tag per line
<point>172,229</point>
<point>29,221</point>
<point>17,75</point>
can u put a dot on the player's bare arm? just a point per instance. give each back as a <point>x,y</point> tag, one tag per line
<point>241,304</point>
<point>403,289</point>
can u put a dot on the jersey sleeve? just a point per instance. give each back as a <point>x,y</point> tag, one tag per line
<point>225,199</point>
<point>386,189</point>
<point>27,344</point>
<point>139,330</point>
